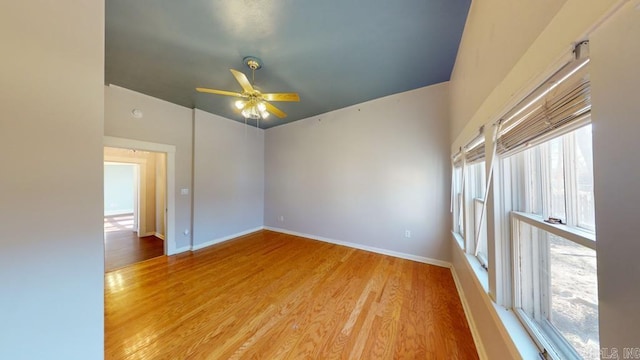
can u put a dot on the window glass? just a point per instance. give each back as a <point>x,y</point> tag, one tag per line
<point>479,179</point>
<point>476,186</point>
<point>482,239</point>
<point>558,287</point>
<point>584,177</point>
<point>533,178</point>
<point>574,294</point>
<point>555,291</point>
<point>555,178</point>
<point>458,221</point>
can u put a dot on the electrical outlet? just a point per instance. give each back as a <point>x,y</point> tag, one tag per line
<point>281,218</point>
<point>407,233</point>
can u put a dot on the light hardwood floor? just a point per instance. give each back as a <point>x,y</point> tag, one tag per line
<point>123,247</point>
<point>269,295</point>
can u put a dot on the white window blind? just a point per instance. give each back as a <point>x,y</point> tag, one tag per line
<point>457,159</point>
<point>561,104</point>
<point>474,150</point>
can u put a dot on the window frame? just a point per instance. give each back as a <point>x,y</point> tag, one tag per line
<point>518,167</point>
<point>457,206</point>
<point>474,191</point>
<point>550,340</point>
<point>478,204</point>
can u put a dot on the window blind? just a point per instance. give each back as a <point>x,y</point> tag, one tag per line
<point>560,102</point>
<point>457,159</point>
<point>474,150</point>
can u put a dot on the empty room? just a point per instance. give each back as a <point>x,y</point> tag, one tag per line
<point>422,179</point>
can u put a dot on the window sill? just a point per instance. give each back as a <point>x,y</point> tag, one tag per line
<point>474,263</point>
<point>512,331</point>
<point>458,239</point>
<point>481,274</point>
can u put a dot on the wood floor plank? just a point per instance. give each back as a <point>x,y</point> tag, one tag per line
<point>269,295</point>
<point>123,247</point>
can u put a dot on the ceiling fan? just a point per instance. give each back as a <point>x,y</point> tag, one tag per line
<point>254,104</point>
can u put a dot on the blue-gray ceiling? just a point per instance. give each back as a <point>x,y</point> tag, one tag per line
<point>334,53</point>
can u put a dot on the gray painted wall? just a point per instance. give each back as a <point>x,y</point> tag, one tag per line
<point>615,51</point>
<point>51,118</point>
<point>365,174</point>
<point>228,178</point>
<point>163,123</point>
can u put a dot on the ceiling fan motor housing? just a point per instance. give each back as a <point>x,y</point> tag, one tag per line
<point>252,62</point>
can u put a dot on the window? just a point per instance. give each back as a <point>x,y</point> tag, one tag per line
<point>477,230</point>
<point>468,193</point>
<point>581,166</point>
<point>480,224</point>
<point>542,210</point>
<point>547,213</point>
<point>457,201</point>
<point>555,277</point>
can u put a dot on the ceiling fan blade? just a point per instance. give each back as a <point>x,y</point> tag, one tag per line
<point>281,97</point>
<point>275,111</point>
<point>218,92</point>
<point>242,79</point>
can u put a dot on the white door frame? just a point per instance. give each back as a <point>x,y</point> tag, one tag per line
<point>170,150</point>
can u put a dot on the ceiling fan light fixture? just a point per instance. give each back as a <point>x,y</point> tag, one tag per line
<point>251,112</point>
<point>256,105</point>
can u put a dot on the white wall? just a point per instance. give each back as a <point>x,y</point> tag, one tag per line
<point>51,121</point>
<point>228,178</point>
<point>163,123</point>
<point>615,53</point>
<point>365,174</point>
<point>119,191</point>
<point>496,35</point>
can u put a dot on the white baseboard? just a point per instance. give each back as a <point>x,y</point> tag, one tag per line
<point>400,255</point>
<point>158,235</point>
<point>475,333</point>
<point>225,238</point>
<point>181,250</point>
<point>148,233</point>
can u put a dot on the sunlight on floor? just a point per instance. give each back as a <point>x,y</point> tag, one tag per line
<point>118,222</point>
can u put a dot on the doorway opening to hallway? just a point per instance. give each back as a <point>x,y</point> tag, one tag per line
<point>135,206</point>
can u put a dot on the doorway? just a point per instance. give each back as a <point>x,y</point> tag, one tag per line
<point>121,196</point>
<point>134,206</point>
<point>141,222</point>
